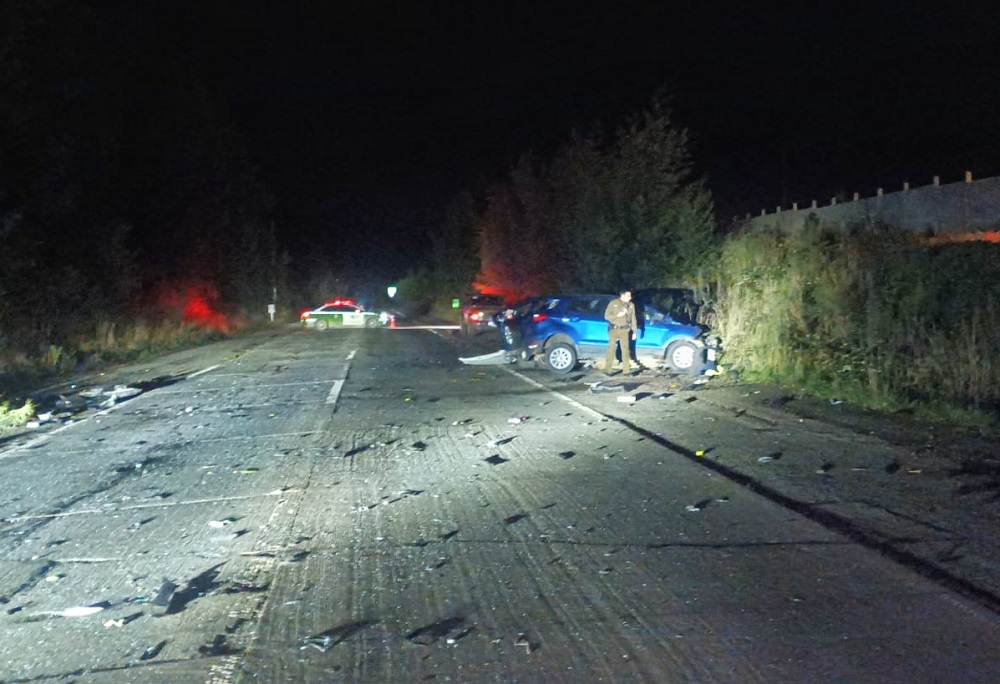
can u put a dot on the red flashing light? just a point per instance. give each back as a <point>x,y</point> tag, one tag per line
<point>537,318</point>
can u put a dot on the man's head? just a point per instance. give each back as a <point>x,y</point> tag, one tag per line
<point>625,295</point>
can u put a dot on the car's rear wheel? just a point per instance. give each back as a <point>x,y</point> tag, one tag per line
<point>371,322</point>
<point>683,356</point>
<point>322,325</point>
<point>560,358</point>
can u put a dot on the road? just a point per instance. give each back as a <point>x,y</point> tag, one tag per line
<point>360,506</point>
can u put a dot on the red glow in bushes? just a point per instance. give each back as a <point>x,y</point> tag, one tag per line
<point>196,304</point>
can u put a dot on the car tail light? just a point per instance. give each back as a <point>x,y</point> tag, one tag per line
<point>476,316</point>
<point>304,315</point>
<point>537,318</point>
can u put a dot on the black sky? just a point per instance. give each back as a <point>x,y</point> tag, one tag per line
<point>405,103</point>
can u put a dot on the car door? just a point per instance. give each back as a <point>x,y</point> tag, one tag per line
<point>352,317</point>
<point>328,315</point>
<point>654,330</point>
<point>586,315</point>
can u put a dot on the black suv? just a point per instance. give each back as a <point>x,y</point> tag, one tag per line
<point>478,312</point>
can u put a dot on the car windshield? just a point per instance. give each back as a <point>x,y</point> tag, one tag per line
<point>671,303</point>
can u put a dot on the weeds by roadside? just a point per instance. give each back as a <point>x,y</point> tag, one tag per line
<point>879,318</point>
<point>16,417</point>
<point>111,344</point>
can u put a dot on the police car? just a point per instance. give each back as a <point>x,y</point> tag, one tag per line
<point>343,313</point>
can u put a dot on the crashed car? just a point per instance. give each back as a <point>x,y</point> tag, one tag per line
<point>479,311</point>
<point>343,313</point>
<point>559,331</point>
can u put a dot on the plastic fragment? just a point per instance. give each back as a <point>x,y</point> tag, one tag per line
<point>79,611</point>
<point>523,641</point>
<point>165,593</point>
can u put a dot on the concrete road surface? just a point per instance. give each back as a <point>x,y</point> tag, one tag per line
<point>359,506</point>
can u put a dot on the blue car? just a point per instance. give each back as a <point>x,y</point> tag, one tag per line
<point>560,331</point>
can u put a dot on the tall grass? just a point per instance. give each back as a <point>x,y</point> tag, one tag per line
<point>880,317</point>
<point>104,342</point>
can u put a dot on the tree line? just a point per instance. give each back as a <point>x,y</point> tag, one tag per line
<point>122,184</point>
<point>605,211</point>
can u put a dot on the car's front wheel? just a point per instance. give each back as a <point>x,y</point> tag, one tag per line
<point>322,325</point>
<point>684,356</point>
<point>371,322</point>
<point>560,358</point>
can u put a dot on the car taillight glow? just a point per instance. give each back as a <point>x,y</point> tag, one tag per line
<point>538,317</point>
<point>476,316</point>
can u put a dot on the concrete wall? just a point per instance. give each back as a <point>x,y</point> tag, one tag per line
<point>966,206</point>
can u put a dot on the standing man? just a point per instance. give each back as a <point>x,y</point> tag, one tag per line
<point>620,315</point>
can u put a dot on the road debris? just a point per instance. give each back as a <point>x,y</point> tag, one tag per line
<point>218,524</point>
<point>522,641</point>
<point>600,387</point>
<point>78,611</point>
<point>165,593</point>
<point>153,651</point>
<point>501,356</point>
<point>517,420</point>
<point>697,506</point>
<point>627,399</point>
<point>117,394</point>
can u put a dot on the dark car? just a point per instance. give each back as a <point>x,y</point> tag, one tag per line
<point>479,312</point>
<point>561,330</point>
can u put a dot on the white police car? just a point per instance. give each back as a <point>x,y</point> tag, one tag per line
<point>343,313</point>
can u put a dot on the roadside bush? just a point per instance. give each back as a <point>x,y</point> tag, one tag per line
<point>879,317</point>
<point>12,418</point>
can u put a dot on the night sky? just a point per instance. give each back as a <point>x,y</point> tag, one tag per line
<point>392,107</point>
